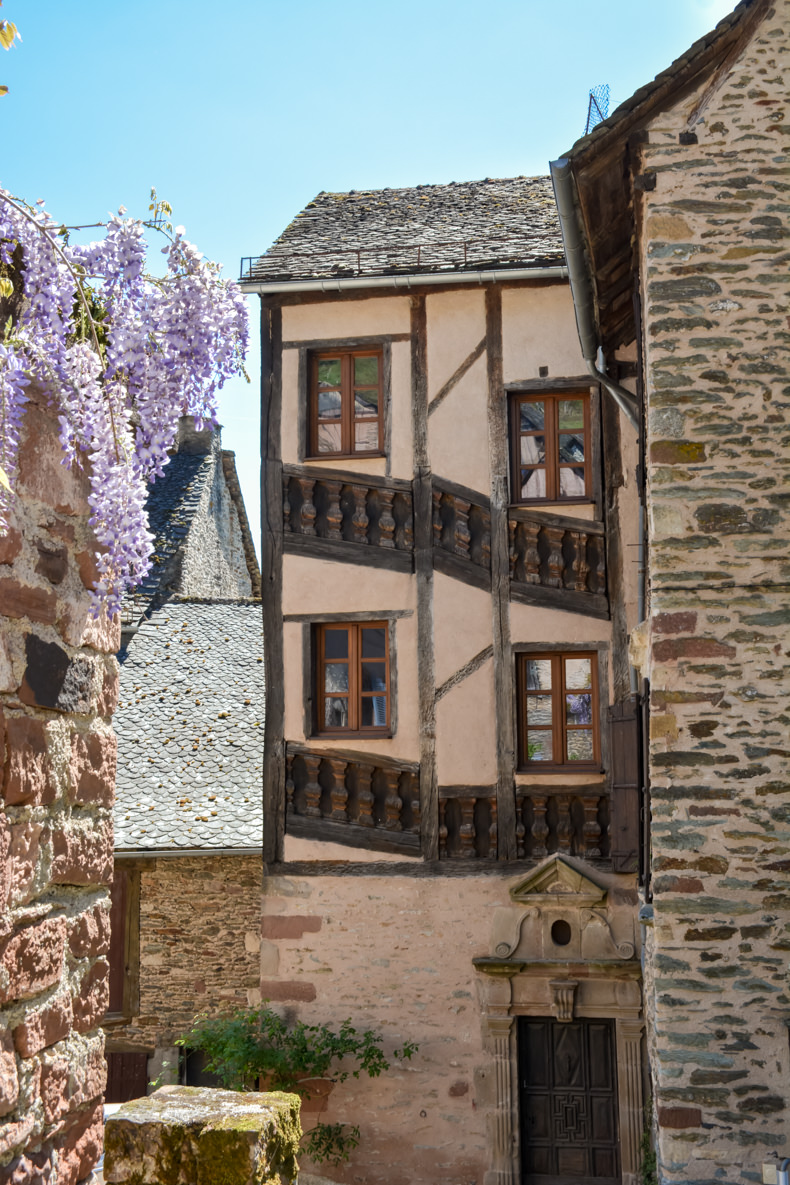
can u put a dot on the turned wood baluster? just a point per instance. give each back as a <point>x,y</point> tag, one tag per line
<point>365,795</point>
<point>334,515</point>
<point>540,828</point>
<point>307,512</point>
<point>521,829</point>
<point>580,567</point>
<point>386,520</point>
<point>527,555</point>
<point>393,802</point>
<point>360,519</point>
<point>564,822</point>
<point>437,518</point>
<point>463,537</point>
<point>414,799</point>
<point>600,567</point>
<point>313,788</point>
<point>592,828</point>
<point>442,829</point>
<point>408,524</point>
<point>555,562</point>
<point>517,548</point>
<point>339,793</point>
<point>492,829</point>
<point>289,787</point>
<point>467,832</point>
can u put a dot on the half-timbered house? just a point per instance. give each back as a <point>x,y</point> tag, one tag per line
<point>450,572</point>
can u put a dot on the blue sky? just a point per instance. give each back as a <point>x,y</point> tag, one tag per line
<point>239,113</point>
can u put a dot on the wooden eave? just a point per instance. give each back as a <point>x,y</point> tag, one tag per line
<point>605,163</point>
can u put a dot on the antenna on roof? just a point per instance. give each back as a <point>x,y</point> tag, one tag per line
<point>598,106</point>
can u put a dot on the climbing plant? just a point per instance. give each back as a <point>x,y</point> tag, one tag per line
<point>120,353</point>
<point>255,1048</point>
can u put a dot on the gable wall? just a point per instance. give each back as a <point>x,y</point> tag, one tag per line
<point>214,564</point>
<point>713,245</point>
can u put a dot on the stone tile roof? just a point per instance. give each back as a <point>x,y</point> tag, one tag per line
<point>463,226</point>
<point>652,93</point>
<point>190,729</point>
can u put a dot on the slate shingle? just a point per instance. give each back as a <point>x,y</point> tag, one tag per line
<point>464,226</point>
<point>190,729</point>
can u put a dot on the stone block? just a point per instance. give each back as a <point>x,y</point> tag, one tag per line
<point>93,762</point>
<point>26,777</point>
<point>284,990</point>
<point>45,1026</point>
<point>93,999</point>
<point>24,854</point>
<point>53,680</point>
<point>10,545</point>
<point>185,1134</point>
<point>108,698</point>
<point>9,1082</point>
<point>53,561</point>
<point>89,934</point>
<point>79,1145</point>
<point>42,474</point>
<point>25,600</point>
<point>82,855</point>
<point>33,1168</point>
<point>32,960</point>
<point>274,926</point>
<point>70,1080</point>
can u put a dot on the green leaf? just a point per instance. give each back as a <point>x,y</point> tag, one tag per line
<point>6,287</point>
<point>3,91</point>
<point>4,480</point>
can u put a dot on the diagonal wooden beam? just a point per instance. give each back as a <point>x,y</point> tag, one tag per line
<point>464,672</point>
<point>469,361</point>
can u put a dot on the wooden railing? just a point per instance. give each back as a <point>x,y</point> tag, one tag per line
<point>554,552</point>
<point>348,799</point>
<point>572,822</point>
<point>371,512</point>
<point>461,525</point>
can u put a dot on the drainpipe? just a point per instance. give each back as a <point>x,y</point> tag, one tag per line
<point>581,289</point>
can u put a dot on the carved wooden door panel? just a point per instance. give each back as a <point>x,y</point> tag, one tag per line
<point>568,1101</point>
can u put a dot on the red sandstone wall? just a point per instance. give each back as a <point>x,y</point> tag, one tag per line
<point>58,690</point>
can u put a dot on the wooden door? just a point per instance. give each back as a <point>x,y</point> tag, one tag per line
<point>568,1101</point>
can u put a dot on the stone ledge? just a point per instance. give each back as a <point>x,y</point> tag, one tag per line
<point>184,1135</point>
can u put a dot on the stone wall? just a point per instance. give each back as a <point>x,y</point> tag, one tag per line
<point>199,948</point>
<point>58,689</point>
<point>214,562</point>
<point>717,367</point>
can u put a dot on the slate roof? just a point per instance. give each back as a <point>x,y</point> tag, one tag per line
<point>190,729</point>
<point>463,226</point>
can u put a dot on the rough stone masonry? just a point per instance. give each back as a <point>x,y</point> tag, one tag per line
<point>58,690</point>
<point>714,239</point>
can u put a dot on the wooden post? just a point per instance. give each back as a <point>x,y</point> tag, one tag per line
<point>423,568</point>
<point>272,582</point>
<point>504,675</point>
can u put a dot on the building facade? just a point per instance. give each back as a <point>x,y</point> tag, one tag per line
<point>450,575</point>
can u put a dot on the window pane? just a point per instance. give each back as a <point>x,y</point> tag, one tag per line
<point>366,436</point>
<point>329,405</point>
<point>366,370</point>
<point>336,676</point>
<point>374,676</point>
<point>374,642</point>
<point>539,674</point>
<point>336,643</point>
<point>329,372</point>
<point>571,448</point>
<point>366,403</point>
<point>578,709</point>
<point>572,483</point>
<point>330,439</point>
<point>579,746</point>
<point>578,673</point>
<point>533,450</point>
<point>335,713</point>
<point>538,709</point>
<point>374,711</point>
<point>571,415</point>
<point>539,746</point>
<point>531,416</point>
<point>533,483</point>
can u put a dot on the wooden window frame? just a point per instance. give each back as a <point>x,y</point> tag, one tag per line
<point>553,466</point>
<point>347,418</point>
<point>355,727</point>
<point>559,729</point>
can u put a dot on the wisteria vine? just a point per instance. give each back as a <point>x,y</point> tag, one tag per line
<point>122,356</point>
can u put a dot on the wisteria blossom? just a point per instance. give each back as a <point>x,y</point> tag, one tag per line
<point>121,354</point>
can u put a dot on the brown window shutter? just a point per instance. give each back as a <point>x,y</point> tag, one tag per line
<point>624,730</point>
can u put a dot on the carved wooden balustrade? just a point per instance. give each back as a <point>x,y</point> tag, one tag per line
<point>461,527</point>
<point>340,508</point>
<point>467,823</point>
<point>558,559</point>
<point>574,822</point>
<point>346,798</point>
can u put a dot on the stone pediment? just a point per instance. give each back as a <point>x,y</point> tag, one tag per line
<point>558,883</point>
